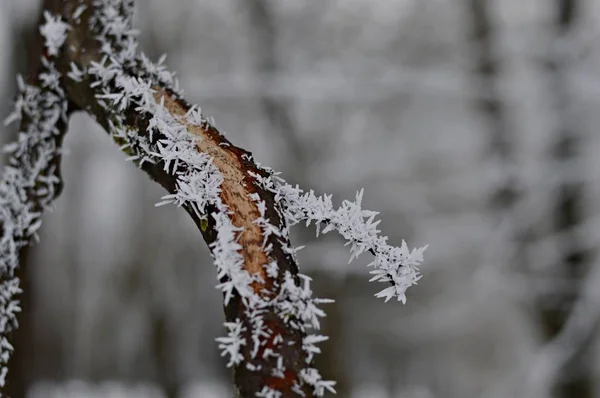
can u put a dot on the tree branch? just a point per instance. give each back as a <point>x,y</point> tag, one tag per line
<point>31,180</point>
<point>242,210</point>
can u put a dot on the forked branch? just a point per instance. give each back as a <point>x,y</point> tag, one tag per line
<point>243,210</point>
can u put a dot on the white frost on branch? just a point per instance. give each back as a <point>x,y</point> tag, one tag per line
<point>312,377</point>
<point>54,31</point>
<point>309,345</point>
<point>397,266</point>
<point>29,182</point>
<point>75,74</point>
<point>296,302</point>
<point>232,344</point>
<point>267,392</point>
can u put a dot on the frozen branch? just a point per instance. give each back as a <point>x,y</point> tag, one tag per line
<point>243,210</point>
<point>31,180</point>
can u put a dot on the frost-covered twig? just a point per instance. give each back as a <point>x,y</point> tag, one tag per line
<point>243,215</point>
<point>31,180</point>
<point>397,266</point>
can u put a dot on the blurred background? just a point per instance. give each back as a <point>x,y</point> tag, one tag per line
<point>471,124</point>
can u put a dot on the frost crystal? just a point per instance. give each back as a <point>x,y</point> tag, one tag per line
<point>232,344</point>
<point>55,33</point>
<point>267,392</point>
<point>312,377</point>
<point>309,345</point>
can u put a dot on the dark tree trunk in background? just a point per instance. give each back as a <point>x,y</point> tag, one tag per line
<point>501,139</point>
<point>514,233</point>
<point>568,210</point>
<point>161,340</point>
<point>489,101</point>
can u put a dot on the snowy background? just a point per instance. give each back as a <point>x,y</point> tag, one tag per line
<point>396,96</point>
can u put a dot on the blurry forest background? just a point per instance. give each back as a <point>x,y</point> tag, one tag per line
<point>473,126</point>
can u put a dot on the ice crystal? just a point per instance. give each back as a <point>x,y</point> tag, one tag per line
<point>232,344</point>
<point>54,31</point>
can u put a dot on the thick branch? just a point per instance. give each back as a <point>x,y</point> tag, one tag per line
<point>238,194</point>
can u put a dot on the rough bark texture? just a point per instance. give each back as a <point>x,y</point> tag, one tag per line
<point>83,49</point>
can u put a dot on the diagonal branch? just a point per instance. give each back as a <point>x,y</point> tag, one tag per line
<point>242,210</point>
<point>166,137</point>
